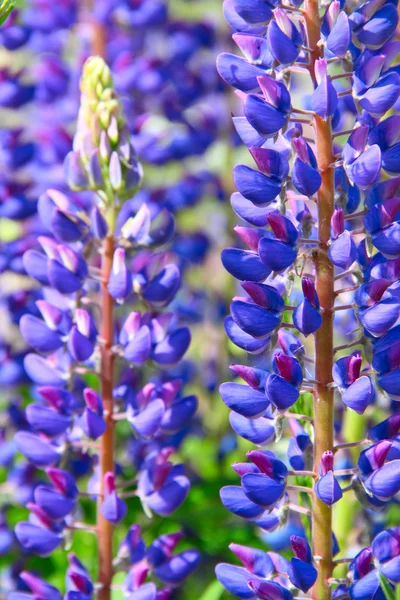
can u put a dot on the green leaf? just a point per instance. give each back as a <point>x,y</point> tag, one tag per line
<point>6,7</point>
<point>386,587</point>
<point>212,592</point>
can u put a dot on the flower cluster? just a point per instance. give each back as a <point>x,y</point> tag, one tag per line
<point>104,288</point>
<point>320,206</point>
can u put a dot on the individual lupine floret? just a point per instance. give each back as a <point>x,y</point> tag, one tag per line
<point>255,579</point>
<point>282,386</point>
<point>79,584</point>
<point>162,486</point>
<point>306,316</point>
<point>120,282</point>
<point>239,72</point>
<point>62,216</point>
<point>270,113</point>
<point>324,99</point>
<point>171,568</point>
<point>260,314</point>
<point>337,30</point>
<point>39,589</point>
<point>342,251</point>
<point>378,317</point>
<point>160,409</point>
<point>113,507</point>
<point>357,390</point>
<point>92,420</point>
<point>278,251</point>
<point>146,227</point>
<point>375,92</point>
<point>305,176</point>
<point>147,336</point>
<point>61,267</point>
<point>82,337</point>
<point>380,220</point>
<point>48,334</point>
<point>362,163</point>
<point>327,487</point>
<point>386,134</point>
<point>381,558</point>
<point>265,484</point>
<point>302,573</point>
<point>243,17</point>
<point>264,186</point>
<point>284,39</point>
<point>374,23</point>
<point>38,449</point>
<point>42,535</point>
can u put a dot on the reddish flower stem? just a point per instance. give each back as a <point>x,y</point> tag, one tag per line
<point>323,392</point>
<point>106,454</point>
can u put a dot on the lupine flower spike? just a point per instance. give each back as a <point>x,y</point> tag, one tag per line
<point>320,318</point>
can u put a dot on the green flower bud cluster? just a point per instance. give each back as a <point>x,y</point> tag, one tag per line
<point>103,158</point>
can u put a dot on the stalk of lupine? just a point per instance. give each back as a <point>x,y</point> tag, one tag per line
<point>71,341</point>
<point>341,155</point>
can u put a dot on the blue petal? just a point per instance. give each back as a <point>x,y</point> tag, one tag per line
<point>56,505</point>
<point>281,46</point>
<point>328,489</point>
<point>324,99</point>
<point>36,449</point>
<point>262,490</point>
<point>276,255</point>
<point>264,117</point>
<point>167,499</point>
<point>244,265</point>
<point>243,340</point>
<point>303,575</point>
<point>280,392</point>
<point>306,318</point>
<point>305,178</point>
<point>234,579</point>
<point>255,186</point>
<point>380,317</point>
<point>238,72</point>
<point>259,431</point>
<point>235,500</point>
<point>246,210</point>
<point>359,394</point>
<point>147,422</point>
<point>384,483</point>
<point>37,540</point>
<point>172,348</point>
<point>180,566</point>
<point>36,333</point>
<point>243,400</point>
<point>380,28</point>
<point>380,97</point>
<point>343,251</point>
<point>46,420</point>
<point>339,39</point>
<point>387,241</point>
<point>254,320</point>
<point>162,289</point>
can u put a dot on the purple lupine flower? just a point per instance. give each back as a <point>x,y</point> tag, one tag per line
<point>327,488</point>
<point>306,316</point>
